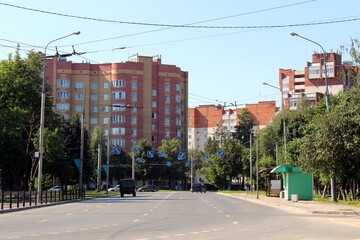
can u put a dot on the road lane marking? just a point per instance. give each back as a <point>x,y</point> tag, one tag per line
<point>53,233</point>
<point>227,215</point>
<point>136,220</point>
<point>193,233</point>
<point>163,237</point>
<point>235,223</point>
<point>68,214</point>
<point>41,221</point>
<point>69,231</point>
<point>83,229</point>
<point>146,214</point>
<point>34,235</point>
<point>13,237</point>
<point>179,235</point>
<point>206,231</point>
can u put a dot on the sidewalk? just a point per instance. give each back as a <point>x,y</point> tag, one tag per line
<point>311,207</point>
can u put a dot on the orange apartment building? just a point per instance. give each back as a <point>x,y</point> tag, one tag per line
<point>206,120</point>
<point>310,82</point>
<point>139,98</point>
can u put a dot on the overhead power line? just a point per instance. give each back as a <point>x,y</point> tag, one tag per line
<point>190,25</point>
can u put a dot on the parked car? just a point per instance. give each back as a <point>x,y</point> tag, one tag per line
<point>198,187</point>
<point>148,188</point>
<point>114,189</point>
<point>127,186</point>
<point>55,189</point>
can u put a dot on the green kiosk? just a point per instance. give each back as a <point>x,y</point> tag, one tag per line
<point>297,185</point>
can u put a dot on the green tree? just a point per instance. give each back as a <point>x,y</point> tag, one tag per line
<point>244,127</point>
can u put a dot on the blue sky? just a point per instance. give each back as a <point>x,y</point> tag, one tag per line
<point>224,64</point>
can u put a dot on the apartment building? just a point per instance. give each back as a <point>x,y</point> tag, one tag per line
<point>309,83</point>
<point>211,120</point>
<point>139,98</point>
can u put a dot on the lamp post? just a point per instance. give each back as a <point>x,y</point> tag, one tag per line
<point>42,117</point>
<point>327,102</point>
<point>284,117</point>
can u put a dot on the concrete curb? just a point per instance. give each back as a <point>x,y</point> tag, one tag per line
<point>279,203</point>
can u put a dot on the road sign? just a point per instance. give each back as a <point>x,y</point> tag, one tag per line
<point>168,164</point>
<point>221,154</point>
<point>77,162</point>
<point>206,156</point>
<point>210,162</point>
<point>181,156</point>
<point>161,154</point>
<point>150,154</point>
<point>187,164</point>
<point>117,150</point>
<point>137,149</point>
<point>140,160</point>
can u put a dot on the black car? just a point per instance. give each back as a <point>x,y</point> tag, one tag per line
<point>127,186</point>
<point>198,187</point>
<point>148,188</point>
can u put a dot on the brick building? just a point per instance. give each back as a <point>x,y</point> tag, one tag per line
<point>310,83</point>
<point>139,98</point>
<point>209,120</point>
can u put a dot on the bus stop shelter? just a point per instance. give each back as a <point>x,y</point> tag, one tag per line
<point>296,184</point>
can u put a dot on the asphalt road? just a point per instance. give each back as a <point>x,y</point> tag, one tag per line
<point>170,215</point>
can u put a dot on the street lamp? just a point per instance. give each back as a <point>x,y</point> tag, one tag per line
<point>284,118</point>
<point>327,102</point>
<point>42,117</point>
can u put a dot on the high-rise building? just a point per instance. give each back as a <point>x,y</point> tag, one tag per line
<point>213,120</point>
<point>139,98</point>
<point>309,83</point>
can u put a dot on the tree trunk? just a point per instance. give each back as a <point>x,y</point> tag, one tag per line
<point>325,191</point>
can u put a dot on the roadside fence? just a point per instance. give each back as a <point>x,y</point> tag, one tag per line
<point>18,199</point>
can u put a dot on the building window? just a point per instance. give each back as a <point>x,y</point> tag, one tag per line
<point>118,107</point>
<point>167,110</point>
<point>133,120</point>
<point>153,138</point>
<point>105,120</point>
<point>153,104</point>
<point>118,131</point>
<point>167,133</point>
<point>118,142</point>
<point>167,87</point>
<point>178,122</point>
<point>93,121</point>
<point>167,122</point>
<point>63,95</point>
<point>133,132</point>
<point>79,85</point>
<point>118,95</point>
<point>106,132</point>
<point>63,83</point>
<point>154,116</point>
<point>79,96</point>
<point>118,83</point>
<point>94,109</point>
<point>167,99</point>
<point>62,106</point>
<point>134,84</point>
<point>78,108</point>
<point>105,108</point>
<point>178,98</point>
<point>94,97</point>
<point>106,85</point>
<point>314,71</point>
<point>94,86</point>
<point>134,96</point>
<point>118,119</point>
<point>106,96</point>
<point>178,109</point>
<point>178,87</point>
<point>134,109</point>
<point>154,93</point>
<point>153,127</point>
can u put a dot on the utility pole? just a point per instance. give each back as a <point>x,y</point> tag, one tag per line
<point>251,160</point>
<point>99,167</point>
<point>257,168</point>
<point>108,163</point>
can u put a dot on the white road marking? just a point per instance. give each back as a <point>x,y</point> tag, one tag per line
<point>206,231</point>
<point>145,214</point>
<point>220,211</point>
<point>163,237</point>
<point>235,223</point>
<point>69,231</point>
<point>83,229</point>
<point>227,215</point>
<point>43,221</point>
<point>179,235</point>
<point>53,233</point>
<point>34,235</point>
<point>136,220</point>
<point>68,214</point>
<point>193,233</point>
<point>13,237</point>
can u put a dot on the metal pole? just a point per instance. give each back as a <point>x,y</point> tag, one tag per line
<point>81,150</point>
<point>191,170</point>
<point>42,117</point>
<point>251,160</point>
<point>99,167</point>
<point>257,169</point>
<point>133,165</point>
<point>327,102</point>
<point>108,164</point>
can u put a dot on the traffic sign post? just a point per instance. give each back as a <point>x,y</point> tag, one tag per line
<point>117,150</point>
<point>150,154</point>
<point>221,154</point>
<point>181,156</point>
